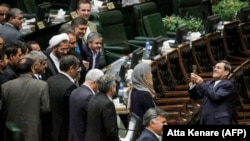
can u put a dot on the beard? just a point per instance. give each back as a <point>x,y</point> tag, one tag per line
<point>58,54</point>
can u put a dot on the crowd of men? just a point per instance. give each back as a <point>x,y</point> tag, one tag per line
<point>36,84</point>
<point>59,94</point>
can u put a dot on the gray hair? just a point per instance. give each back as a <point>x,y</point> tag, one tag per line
<point>92,36</point>
<point>105,82</point>
<point>37,55</point>
<point>12,13</point>
<point>93,75</point>
<point>151,114</point>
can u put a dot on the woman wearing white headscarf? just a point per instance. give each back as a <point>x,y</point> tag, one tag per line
<point>141,98</point>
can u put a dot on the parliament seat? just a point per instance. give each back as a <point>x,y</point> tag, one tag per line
<point>113,32</point>
<point>186,60</point>
<point>188,8</point>
<point>201,58</point>
<point>232,43</point>
<point>242,106</point>
<point>153,25</point>
<point>215,47</point>
<point>113,28</point>
<point>141,10</point>
<point>176,71</point>
<point>242,100</point>
<point>244,31</point>
<point>14,133</point>
<point>168,98</point>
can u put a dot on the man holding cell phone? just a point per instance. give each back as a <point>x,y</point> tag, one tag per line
<point>218,95</point>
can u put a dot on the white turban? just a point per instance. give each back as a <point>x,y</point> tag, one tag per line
<point>55,40</point>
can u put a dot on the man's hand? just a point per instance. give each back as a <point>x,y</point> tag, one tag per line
<point>196,78</point>
<point>85,64</point>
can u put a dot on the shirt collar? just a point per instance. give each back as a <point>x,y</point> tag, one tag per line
<point>157,136</point>
<point>38,76</point>
<point>110,98</point>
<point>70,78</point>
<point>90,89</point>
<point>7,23</point>
<point>216,82</point>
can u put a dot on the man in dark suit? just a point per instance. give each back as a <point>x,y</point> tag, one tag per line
<point>78,105</point>
<point>60,87</point>
<point>79,25</point>
<point>92,48</point>
<point>218,95</point>
<point>153,120</point>
<point>14,54</point>
<point>10,30</point>
<point>59,45</point>
<point>3,79</point>
<point>101,118</point>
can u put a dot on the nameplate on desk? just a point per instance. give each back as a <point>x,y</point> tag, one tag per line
<point>40,25</point>
<point>73,15</point>
<point>110,5</point>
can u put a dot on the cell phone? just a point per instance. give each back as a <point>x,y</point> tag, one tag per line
<point>194,68</point>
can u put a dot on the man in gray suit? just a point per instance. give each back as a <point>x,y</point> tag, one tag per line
<point>78,105</point>
<point>24,99</point>
<point>10,30</point>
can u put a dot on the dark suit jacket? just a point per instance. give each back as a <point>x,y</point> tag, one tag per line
<point>84,70</point>
<point>3,79</point>
<point>51,69</point>
<point>141,101</point>
<point>10,72</point>
<point>218,102</point>
<point>147,135</point>
<point>88,56</point>
<point>60,88</point>
<point>101,120</point>
<point>10,33</point>
<point>78,106</point>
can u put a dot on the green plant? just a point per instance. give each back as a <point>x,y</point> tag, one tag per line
<point>171,23</point>
<point>227,9</point>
